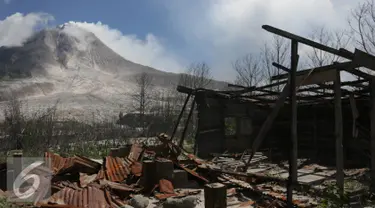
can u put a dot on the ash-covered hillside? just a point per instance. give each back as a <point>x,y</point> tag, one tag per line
<point>73,66</point>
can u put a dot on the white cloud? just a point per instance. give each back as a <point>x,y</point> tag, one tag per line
<point>150,51</point>
<point>18,27</point>
<point>225,30</point>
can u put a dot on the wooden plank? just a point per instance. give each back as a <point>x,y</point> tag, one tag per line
<point>355,115</point>
<point>187,123</point>
<point>279,66</point>
<point>364,59</point>
<point>285,34</point>
<point>293,125</point>
<point>372,117</point>
<point>339,134</point>
<point>359,73</point>
<point>343,65</point>
<point>316,78</point>
<point>180,116</point>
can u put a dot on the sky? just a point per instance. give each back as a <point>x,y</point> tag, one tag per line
<point>171,34</point>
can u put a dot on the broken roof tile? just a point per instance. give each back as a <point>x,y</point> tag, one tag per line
<point>61,165</point>
<point>90,196</point>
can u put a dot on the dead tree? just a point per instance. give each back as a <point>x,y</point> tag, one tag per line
<point>142,97</point>
<point>362,24</point>
<point>197,75</point>
<point>248,70</point>
<point>335,39</point>
<point>277,51</point>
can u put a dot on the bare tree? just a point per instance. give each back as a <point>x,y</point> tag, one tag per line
<point>143,96</point>
<point>362,24</point>
<point>334,39</point>
<point>277,51</point>
<point>14,118</point>
<point>197,75</point>
<point>248,70</point>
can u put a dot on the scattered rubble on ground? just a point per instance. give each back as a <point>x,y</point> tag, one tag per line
<point>164,175</point>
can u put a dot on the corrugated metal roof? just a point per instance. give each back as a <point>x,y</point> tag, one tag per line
<point>90,197</point>
<point>135,152</point>
<point>115,169</point>
<point>61,165</point>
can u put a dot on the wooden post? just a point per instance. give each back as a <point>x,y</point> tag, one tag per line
<point>293,143</point>
<point>149,179</point>
<point>180,116</point>
<point>187,123</point>
<point>315,137</point>
<point>164,169</point>
<point>339,133</point>
<point>215,195</point>
<point>372,116</point>
<point>268,123</point>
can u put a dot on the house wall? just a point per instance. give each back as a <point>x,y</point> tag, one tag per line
<point>315,128</point>
<point>213,115</point>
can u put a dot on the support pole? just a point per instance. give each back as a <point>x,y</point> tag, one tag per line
<point>180,116</point>
<point>187,123</point>
<point>339,134</point>
<point>372,116</point>
<point>215,195</point>
<point>293,143</point>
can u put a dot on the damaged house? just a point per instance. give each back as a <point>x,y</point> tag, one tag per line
<point>317,115</point>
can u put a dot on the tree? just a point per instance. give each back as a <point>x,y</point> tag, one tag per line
<point>248,70</point>
<point>142,97</point>
<point>335,39</point>
<point>277,51</point>
<point>362,24</point>
<point>197,75</point>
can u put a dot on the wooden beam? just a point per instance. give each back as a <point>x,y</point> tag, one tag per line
<point>285,34</point>
<point>187,123</point>
<point>180,116</point>
<point>359,73</point>
<point>339,134</point>
<point>271,85</point>
<point>372,117</point>
<point>279,66</point>
<point>343,65</point>
<point>293,125</point>
<point>364,59</point>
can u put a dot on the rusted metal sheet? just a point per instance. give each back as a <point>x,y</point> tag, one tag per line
<point>85,179</point>
<point>88,197</point>
<point>119,186</point>
<point>135,152</point>
<point>180,194</point>
<point>115,169</point>
<point>192,172</point>
<point>136,169</point>
<point>60,165</point>
<point>166,186</point>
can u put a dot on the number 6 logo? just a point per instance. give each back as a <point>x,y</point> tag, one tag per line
<point>23,177</point>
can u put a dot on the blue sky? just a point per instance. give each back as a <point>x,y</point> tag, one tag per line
<point>130,17</point>
<point>170,34</point>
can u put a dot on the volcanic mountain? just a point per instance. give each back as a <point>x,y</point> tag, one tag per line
<point>72,66</point>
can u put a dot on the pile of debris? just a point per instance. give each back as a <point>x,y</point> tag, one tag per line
<point>164,175</point>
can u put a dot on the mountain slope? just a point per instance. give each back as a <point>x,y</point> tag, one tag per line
<point>73,66</point>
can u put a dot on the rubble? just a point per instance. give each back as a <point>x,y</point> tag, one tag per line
<point>143,180</point>
<point>139,201</point>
